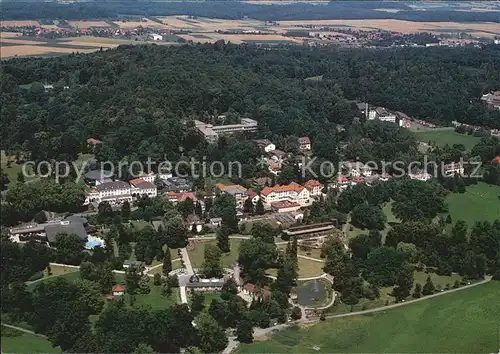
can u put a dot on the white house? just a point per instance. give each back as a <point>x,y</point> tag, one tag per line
<point>156,37</point>
<point>265,145</point>
<point>304,143</point>
<point>420,176</point>
<point>452,168</point>
<point>292,192</point>
<point>357,169</point>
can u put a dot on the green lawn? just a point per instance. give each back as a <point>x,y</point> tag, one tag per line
<point>197,255</point>
<point>25,343</point>
<point>479,203</point>
<point>11,171</point>
<point>467,321</point>
<point>450,137</point>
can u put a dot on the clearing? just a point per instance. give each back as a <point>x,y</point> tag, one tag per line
<point>479,203</point>
<point>18,342</point>
<point>197,254</point>
<point>450,137</point>
<point>472,315</point>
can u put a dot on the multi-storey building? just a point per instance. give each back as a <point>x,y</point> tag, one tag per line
<point>304,143</point>
<point>292,192</point>
<point>314,187</point>
<point>212,132</point>
<point>114,192</point>
<point>140,187</point>
<point>237,191</point>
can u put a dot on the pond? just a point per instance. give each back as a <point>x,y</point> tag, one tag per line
<point>312,293</point>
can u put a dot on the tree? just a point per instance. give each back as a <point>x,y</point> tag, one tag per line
<point>105,277</point>
<point>132,278</point>
<point>104,213</point>
<point>143,349</point>
<point>296,313</point>
<point>225,208</point>
<point>197,302</point>
<point>212,267</point>
<point>248,206</point>
<point>222,234</point>
<point>428,288</point>
<point>167,262</point>
<point>418,291</point>
<point>186,207</point>
<point>69,249</point>
<point>287,276</point>
<point>212,338</point>
<point>264,231</point>
<point>88,271</point>
<point>382,266</point>
<point>255,256</point>
<point>259,207</point>
<point>404,283</point>
<point>125,211</point>
<point>229,289</point>
<point>40,217</point>
<point>368,217</point>
<point>244,331</point>
<point>157,279</point>
<point>147,244</point>
<point>176,232</point>
<point>91,295</point>
<point>144,287</point>
<point>20,177</point>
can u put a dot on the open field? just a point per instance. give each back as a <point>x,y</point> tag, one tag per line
<point>19,342</point>
<point>13,44</point>
<point>479,203</point>
<point>307,268</point>
<point>135,24</point>
<point>464,322</point>
<point>19,23</point>
<point>450,137</point>
<point>88,24</point>
<point>197,255</point>
<point>59,270</point>
<point>484,29</point>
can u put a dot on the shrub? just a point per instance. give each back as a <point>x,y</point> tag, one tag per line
<point>36,276</point>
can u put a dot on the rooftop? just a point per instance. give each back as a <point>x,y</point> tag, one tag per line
<point>98,174</point>
<point>111,186</point>
<point>231,189</point>
<point>292,187</point>
<point>51,230</point>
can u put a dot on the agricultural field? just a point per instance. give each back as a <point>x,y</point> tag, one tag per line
<point>472,316</point>
<point>483,29</point>
<point>450,137</point>
<point>18,342</point>
<point>479,203</point>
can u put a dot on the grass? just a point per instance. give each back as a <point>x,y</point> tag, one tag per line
<point>19,342</point>
<point>437,280</point>
<point>479,203</point>
<point>464,322</point>
<point>450,137</point>
<point>307,268</point>
<point>59,270</point>
<point>387,209</point>
<point>155,299</point>
<point>11,171</point>
<point>197,254</point>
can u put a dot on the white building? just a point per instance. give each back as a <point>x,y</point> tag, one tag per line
<point>452,168</point>
<point>357,169</point>
<point>212,132</point>
<point>292,192</point>
<point>148,177</point>
<point>114,192</point>
<point>305,143</point>
<point>156,37</point>
<point>420,176</point>
<point>139,187</point>
<point>315,187</point>
<point>265,145</point>
<point>382,114</point>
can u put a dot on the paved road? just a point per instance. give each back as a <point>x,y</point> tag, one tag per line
<point>24,330</point>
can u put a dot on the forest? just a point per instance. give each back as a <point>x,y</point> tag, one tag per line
<point>236,10</point>
<point>137,98</point>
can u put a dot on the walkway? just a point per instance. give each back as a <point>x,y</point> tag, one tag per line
<point>24,330</point>
<point>184,279</point>
<point>399,304</point>
<point>311,258</point>
<point>263,331</point>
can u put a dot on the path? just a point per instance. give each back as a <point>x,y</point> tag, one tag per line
<point>263,331</point>
<point>399,304</point>
<point>236,237</point>
<point>24,330</point>
<point>184,279</point>
<point>311,258</point>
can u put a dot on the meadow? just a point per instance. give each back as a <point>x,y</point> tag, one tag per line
<point>479,203</point>
<point>450,137</point>
<point>19,342</point>
<point>197,254</point>
<point>467,321</point>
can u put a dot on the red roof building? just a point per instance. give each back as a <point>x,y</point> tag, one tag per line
<point>250,289</point>
<point>304,143</point>
<point>314,187</point>
<point>92,141</point>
